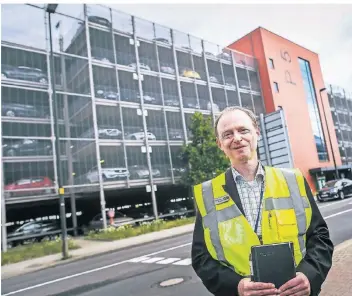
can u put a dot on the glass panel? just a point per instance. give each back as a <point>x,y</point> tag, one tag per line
<point>219,99</point>
<point>174,124</point>
<point>151,90</point>
<point>189,95</point>
<point>159,158</point>
<point>26,129</point>
<point>122,22</point>
<point>225,55</point>
<point>166,60</point>
<point>253,76</point>
<point>250,61</point>
<point>109,122</point>
<point>242,78</point>
<point>113,164</point>
<point>178,166</point>
<point>147,57</point>
<point>196,44</point>
<point>28,179</point>
<point>246,101</point>
<point>211,49</point>
<point>26,147</point>
<point>133,124</point>
<point>181,40</point>
<point>199,67</point>
<point>204,98</point>
<point>162,34</point>
<point>188,119</point>
<point>229,75</point>
<point>232,98</point>
<point>125,51</point>
<point>137,163</point>
<point>129,90</point>
<point>101,46</point>
<point>214,68</point>
<point>170,93</point>
<point>239,58</point>
<point>23,67</point>
<point>144,29</point>
<point>99,16</point>
<point>184,61</point>
<point>13,16</point>
<point>156,125</point>
<point>258,105</point>
<point>105,83</point>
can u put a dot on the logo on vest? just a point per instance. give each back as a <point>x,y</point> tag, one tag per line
<point>222,199</point>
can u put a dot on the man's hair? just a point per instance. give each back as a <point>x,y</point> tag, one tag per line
<point>249,112</point>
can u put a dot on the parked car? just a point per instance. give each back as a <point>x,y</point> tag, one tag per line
<point>24,147</point>
<point>106,92</point>
<point>215,107</point>
<point>213,79</point>
<point>167,70</point>
<point>99,20</point>
<point>21,110</point>
<point>96,223</point>
<point>37,185</point>
<point>172,102</point>
<point>173,210</point>
<point>142,172</point>
<point>190,74</point>
<point>191,103</point>
<point>335,189</point>
<point>40,229</point>
<point>225,56</point>
<point>141,66</point>
<point>23,73</point>
<point>163,40</point>
<point>175,134</point>
<point>108,133</point>
<point>210,54</point>
<point>108,174</point>
<point>140,136</point>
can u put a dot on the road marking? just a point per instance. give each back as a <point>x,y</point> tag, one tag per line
<point>336,214</point>
<point>153,260</point>
<point>183,262</point>
<point>333,203</point>
<point>168,260</point>
<point>89,271</point>
<point>138,259</point>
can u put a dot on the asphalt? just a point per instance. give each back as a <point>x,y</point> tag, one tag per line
<point>141,270</point>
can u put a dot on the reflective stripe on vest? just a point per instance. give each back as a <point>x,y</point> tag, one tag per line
<point>213,217</point>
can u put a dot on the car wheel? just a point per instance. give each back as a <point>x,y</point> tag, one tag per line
<point>342,195</point>
<point>11,152</point>
<point>133,138</point>
<point>10,113</point>
<point>3,75</point>
<point>43,80</point>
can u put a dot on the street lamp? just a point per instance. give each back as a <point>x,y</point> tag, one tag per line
<point>51,8</point>
<point>327,128</point>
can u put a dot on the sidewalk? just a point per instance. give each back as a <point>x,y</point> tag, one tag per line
<point>339,280</point>
<point>90,248</point>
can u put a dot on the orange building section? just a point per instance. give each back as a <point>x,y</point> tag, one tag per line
<point>265,45</point>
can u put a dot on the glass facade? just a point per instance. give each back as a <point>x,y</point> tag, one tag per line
<point>125,91</point>
<point>313,110</point>
<point>340,101</point>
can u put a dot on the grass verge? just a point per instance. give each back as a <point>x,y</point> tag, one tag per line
<point>113,233</point>
<point>35,250</point>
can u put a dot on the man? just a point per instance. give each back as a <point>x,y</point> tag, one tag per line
<point>250,205</point>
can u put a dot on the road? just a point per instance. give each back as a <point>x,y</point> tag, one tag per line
<point>143,270</point>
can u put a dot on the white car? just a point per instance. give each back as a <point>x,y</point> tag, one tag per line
<point>213,79</point>
<point>141,172</point>
<point>108,174</point>
<point>140,136</point>
<point>109,132</point>
<point>215,107</point>
<point>141,66</point>
<point>167,70</point>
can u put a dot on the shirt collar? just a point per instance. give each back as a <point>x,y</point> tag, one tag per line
<point>259,176</point>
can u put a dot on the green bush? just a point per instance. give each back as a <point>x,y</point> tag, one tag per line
<point>35,250</point>
<point>116,233</point>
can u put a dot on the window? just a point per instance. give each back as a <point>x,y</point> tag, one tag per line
<point>276,87</point>
<point>271,64</point>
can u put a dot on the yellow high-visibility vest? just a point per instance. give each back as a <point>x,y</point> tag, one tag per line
<point>286,216</point>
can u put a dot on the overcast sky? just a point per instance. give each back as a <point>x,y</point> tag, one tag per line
<point>323,28</point>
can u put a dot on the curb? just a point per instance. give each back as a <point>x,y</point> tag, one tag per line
<point>343,245</point>
<point>120,245</point>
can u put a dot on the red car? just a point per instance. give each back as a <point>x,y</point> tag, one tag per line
<point>37,184</point>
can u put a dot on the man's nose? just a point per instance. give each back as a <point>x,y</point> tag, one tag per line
<point>237,137</point>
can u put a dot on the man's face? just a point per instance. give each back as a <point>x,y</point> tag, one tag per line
<point>237,137</point>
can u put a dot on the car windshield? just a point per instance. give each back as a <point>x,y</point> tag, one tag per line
<point>330,184</point>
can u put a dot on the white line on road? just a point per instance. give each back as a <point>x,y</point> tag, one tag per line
<point>153,260</point>
<point>183,262</point>
<point>89,271</point>
<point>168,260</point>
<point>336,214</point>
<point>333,203</point>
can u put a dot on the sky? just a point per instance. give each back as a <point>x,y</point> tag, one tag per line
<point>323,28</point>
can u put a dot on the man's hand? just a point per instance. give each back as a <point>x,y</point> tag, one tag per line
<point>298,286</point>
<point>248,288</point>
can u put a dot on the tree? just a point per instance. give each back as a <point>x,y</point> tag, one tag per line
<point>206,160</point>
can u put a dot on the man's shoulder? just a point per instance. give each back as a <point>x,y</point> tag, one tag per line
<point>219,177</point>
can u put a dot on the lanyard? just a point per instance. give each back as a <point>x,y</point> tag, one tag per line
<point>259,208</point>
